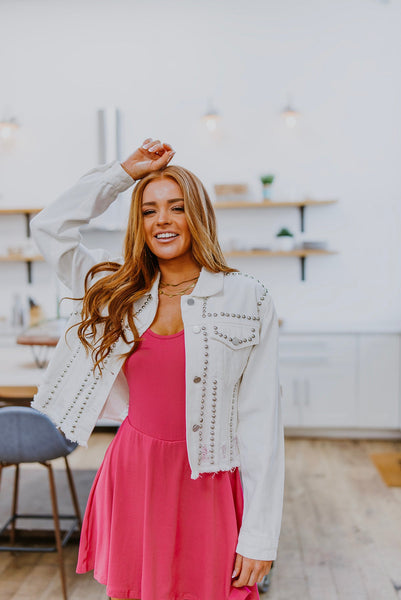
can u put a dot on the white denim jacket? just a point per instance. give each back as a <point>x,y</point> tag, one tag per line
<point>233,403</point>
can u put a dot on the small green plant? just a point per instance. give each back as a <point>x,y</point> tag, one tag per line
<point>267,179</point>
<point>284,232</point>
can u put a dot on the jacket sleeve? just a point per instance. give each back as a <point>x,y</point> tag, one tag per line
<point>56,228</point>
<point>260,435</point>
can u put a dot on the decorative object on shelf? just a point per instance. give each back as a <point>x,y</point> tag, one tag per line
<point>285,239</point>
<point>267,182</point>
<point>211,118</point>
<point>231,192</point>
<point>314,245</point>
<point>290,115</point>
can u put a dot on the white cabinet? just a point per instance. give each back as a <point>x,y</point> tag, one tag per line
<point>340,380</point>
<point>318,379</point>
<point>378,381</point>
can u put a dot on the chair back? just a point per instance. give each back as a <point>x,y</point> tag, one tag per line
<point>26,435</point>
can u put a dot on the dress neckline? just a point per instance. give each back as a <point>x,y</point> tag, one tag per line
<point>158,335</point>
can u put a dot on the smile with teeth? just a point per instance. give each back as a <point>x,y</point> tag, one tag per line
<point>166,236</point>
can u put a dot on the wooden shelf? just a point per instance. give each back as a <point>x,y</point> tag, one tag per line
<point>27,213</point>
<point>21,258</point>
<point>19,211</point>
<point>268,204</point>
<point>300,252</point>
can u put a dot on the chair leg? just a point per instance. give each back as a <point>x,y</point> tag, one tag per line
<point>15,504</point>
<point>57,528</point>
<point>74,496</point>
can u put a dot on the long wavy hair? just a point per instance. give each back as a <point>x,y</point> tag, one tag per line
<point>108,302</point>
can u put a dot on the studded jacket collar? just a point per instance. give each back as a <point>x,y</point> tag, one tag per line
<point>233,409</point>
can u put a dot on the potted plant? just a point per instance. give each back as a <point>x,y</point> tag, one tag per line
<point>267,181</point>
<point>285,239</point>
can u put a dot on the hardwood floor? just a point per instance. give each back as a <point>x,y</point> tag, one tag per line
<point>340,537</point>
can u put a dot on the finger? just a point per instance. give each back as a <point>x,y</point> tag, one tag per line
<point>237,565</point>
<point>158,149</point>
<point>161,162</point>
<point>243,577</point>
<point>146,141</point>
<point>155,144</point>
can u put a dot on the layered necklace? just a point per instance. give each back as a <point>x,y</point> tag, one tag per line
<point>190,287</point>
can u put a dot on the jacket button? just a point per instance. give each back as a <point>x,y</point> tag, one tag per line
<point>235,341</point>
<point>197,379</point>
<point>190,301</point>
<point>196,329</point>
<point>195,427</point>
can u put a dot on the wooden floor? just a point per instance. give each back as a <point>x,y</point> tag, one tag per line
<point>340,537</point>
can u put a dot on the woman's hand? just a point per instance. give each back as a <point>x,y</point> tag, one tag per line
<point>151,156</point>
<point>249,571</point>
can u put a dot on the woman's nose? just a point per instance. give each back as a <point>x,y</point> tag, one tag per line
<point>163,216</point>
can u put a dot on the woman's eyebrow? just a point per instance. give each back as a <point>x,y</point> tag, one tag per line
<point>152,202</point>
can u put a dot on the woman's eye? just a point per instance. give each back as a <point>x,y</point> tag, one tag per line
<point>179,208</point>
<point>147,212</point>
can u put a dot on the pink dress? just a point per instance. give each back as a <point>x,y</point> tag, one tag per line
<point>150,532</point>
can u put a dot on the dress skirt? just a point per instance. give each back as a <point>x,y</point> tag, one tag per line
<point>150,532</point>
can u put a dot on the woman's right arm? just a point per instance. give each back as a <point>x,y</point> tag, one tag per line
<point>56,228</point>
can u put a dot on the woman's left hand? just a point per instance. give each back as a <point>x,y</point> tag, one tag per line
<point>249,570</point>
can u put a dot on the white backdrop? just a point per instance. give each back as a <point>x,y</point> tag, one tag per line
<point>160,61</point>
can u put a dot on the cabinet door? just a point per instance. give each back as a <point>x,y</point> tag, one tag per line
<point>378,379</point>
<point>320,381</point>
<point>290,398</point>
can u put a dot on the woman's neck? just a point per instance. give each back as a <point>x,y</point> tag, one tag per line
<point>173,271</point>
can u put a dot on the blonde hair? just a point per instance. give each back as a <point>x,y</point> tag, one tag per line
<point>128,282</point>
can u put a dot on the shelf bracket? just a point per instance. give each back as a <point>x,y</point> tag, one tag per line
<point>29,269</point>
<point>302,267</point>
<point>302,215</point>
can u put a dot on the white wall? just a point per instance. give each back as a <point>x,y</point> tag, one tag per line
<point>160,61</point>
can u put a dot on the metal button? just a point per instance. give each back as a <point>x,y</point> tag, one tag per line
<point>196,329</point>
<point>197,379</point>
<point>190,301</point>
<point>195,427</point>
<point>235,341</point>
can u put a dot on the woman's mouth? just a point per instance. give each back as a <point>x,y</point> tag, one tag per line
<point>166,237</point>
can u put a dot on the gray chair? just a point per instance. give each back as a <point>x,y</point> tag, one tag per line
<point>28,436</point>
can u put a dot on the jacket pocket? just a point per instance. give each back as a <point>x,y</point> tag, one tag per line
<point>235,335</point>
<point>232,344</point>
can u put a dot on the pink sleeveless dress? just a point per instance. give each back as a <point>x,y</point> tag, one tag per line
<point>150,532</point>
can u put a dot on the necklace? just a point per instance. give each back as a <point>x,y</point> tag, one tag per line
<point>179,293</point>
<point>164,284</point>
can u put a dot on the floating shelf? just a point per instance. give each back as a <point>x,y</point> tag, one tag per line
<point>19,211</point>
<point>27,212</point>
<point>20,258</point>
<point>301,253</point>
<point>268,204</point>
<point>298,203</point>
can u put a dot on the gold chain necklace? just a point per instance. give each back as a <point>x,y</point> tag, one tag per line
<point>179,293</point>
<point>164,284</point>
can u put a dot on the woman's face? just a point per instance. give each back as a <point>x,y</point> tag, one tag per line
<point>165,225</point>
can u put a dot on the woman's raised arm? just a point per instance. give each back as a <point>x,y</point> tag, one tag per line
<point>56,228</point>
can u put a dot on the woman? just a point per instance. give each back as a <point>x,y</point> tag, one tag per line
<point>183,350</point>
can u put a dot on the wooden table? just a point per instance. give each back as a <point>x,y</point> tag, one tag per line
<point>40,344</point>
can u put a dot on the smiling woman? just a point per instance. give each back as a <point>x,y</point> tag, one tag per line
<point>182,350</point>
